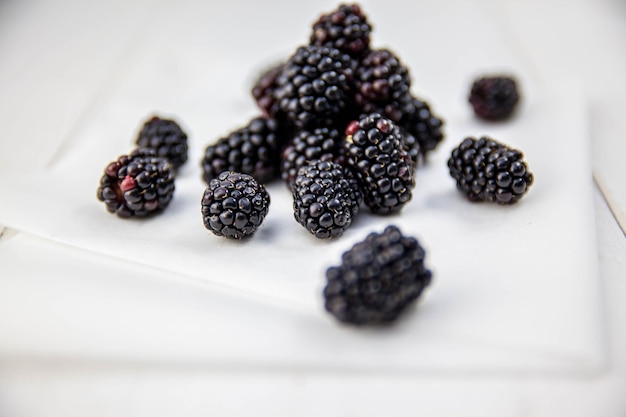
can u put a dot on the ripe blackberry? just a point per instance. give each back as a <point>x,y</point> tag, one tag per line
<point>494,98</point>
<point>382,83</point>
<point>264,89</point>
<point>253,149</point>
<point>325,198</point>
<point>486,170</point>
<point>346,28</point>
<point>166,138</point>
<point>137,185</point>
<point>234,205</point>
<point>374,149</point>
<point>377,279</point>
<point>420,122</point>
<point>320,143</point>
<point>315,86</point>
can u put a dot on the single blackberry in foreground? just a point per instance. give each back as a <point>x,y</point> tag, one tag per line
<point>253,150</point>
<point>345,28</point>
<point>374,149</point>
<point>325,198</point>
<point>377,279</point>
<point>137,185</point>
<point>234,205</point>
<point>382,83</point>
<point>320,143</point>
<point>315,86</point>
<point>264,90</point>
<point>494,98</point>
<point>420,122</point>
<point>486,170</point>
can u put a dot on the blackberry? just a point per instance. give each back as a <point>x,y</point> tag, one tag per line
<point>419,121</point>
<point>315,86</point>
<point>377,279</point>
<point>166,138</point>
<point>374,149</point>
<point>486,170</point>
<point>325,198</point>
<point>137,185</point>
<point>494,98</point>
<point>346,28</point>
<point>264,89</point>
<point>382,83</point>
<point>234,205</point>
<point>321,143</point>
<point>253,149</point>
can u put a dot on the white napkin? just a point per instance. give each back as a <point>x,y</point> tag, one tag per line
<point>514,287</point>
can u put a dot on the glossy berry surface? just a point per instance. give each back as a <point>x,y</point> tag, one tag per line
<point>326,198</point>
<point>375,151</point>
<point>487,170</point>
<point>315,86</point>
<point>234,205</point>
<point>253,149</point>
<point>346,28</point>
<point>137,185</point>
<point>318,143</point>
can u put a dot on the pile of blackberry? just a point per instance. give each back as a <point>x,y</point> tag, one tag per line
<point>141,183</point>
<point>341,127</point>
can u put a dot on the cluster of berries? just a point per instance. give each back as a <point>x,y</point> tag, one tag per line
<point>341,127</point>
<point>142,182</point>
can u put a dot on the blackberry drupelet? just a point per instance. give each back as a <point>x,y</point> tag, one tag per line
<point>264,90</point>
<point>137,185</point>
<point>377,279</point>
<point>234,205</point>
<point>486,170</point>
<point>382,83</point>
<point>253,149</point>
<point>166,138</point>
<point>325,198</point>
<point>319,143</point>
<point>420,122</point>
<point>346,28</point>
<point>315,86</point>
<point>494,98</point>
<point>374,150</point>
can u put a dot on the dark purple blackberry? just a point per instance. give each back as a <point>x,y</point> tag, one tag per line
<point>234,205</point>
<point>486,170</point>
<point>494,98</point>
<point>315,86</point>
<point>419,121</point>
<point>320,143</point>
<point>253,150</point>
<point>166,138</point>
<point>377,279</point>
<point>137,185</point>
<point>325,198</point>
<point>346,28</point>
<point>382,83</point>
<point>374,149</point>
<point>264,90</point>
